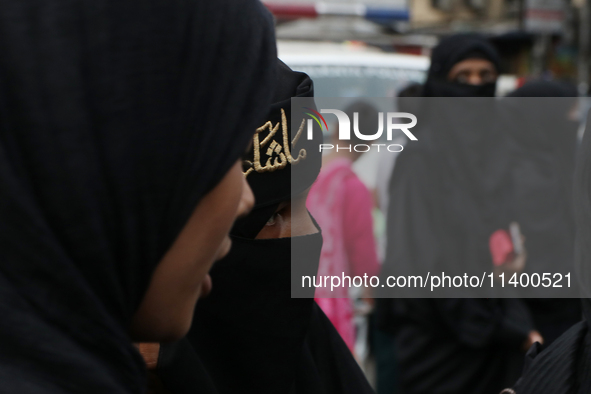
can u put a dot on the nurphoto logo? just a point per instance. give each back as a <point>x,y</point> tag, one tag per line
<point>344,129</point>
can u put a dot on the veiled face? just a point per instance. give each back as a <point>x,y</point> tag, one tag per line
<point>291,219</point>
<point>473,72</point>
<point>182,277</point>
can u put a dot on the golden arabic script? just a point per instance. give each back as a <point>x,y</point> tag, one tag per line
<point>277,154</point>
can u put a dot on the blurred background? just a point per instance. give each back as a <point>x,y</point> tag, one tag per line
<point>379,48</point>
<point>380,45</point>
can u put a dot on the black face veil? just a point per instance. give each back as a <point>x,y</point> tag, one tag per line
<point>249,335</point>
<point>116,118</point>
<point>450,51</point>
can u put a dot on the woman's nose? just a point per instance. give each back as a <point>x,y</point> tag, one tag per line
<point>247,200</point>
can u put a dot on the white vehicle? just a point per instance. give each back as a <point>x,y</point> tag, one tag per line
<point>350,70</point>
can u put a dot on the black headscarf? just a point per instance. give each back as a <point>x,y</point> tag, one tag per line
<point>116,118</point>
<point>272,186</point>
<point>450,51</point>
<point>249,335</point>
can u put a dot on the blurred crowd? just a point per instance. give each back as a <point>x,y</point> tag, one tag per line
<point>444,199</point>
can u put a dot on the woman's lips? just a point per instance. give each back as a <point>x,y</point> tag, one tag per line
<point>206,286</point>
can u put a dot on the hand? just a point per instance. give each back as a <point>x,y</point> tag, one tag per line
<point>514,266</point>
<point>533,337</point>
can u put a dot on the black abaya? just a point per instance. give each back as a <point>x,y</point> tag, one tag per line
<point>542,181</point>
<point>449,193</point>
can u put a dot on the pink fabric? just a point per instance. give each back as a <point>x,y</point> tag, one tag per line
<point>342,205</point>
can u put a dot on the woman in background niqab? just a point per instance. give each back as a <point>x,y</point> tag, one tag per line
<point>116,119</point>
<point>448,194</point>
<point>442,79</point>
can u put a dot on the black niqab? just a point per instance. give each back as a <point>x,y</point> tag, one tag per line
<point>116,118</point>
<point>249,335</point>
<point>450,51</point>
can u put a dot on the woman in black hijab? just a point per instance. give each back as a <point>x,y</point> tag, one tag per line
<point>542,182</point>
<point>121,124</point>
<point>448,194</point>
<point>249,335</point>
<point>462,65</point>
<point>565,366</point>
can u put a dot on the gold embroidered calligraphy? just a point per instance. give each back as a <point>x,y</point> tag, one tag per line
<point>278,155</point>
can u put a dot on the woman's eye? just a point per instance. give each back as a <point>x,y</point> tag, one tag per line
<point>487,77</point>
<point>462,78</point>
<point>273,219</point>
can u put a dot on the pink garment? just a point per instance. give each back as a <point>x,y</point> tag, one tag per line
<point>342,205</point>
